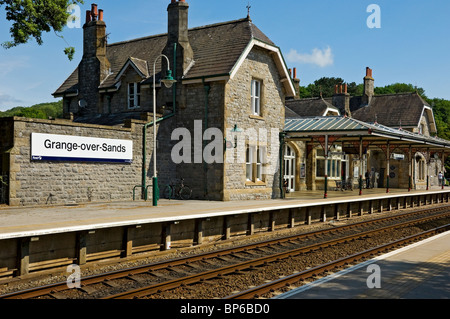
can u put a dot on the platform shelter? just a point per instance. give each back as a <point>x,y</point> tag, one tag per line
<point>320,153</point>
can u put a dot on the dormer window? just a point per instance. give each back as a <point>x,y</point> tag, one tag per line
<point>134,95</point>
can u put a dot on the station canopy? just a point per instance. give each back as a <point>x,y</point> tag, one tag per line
<point>345,129</point>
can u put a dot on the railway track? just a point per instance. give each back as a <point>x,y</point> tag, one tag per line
<point>237,259</point>
<point>267,290</point>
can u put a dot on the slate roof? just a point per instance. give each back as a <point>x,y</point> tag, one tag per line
<point>310,106</point>
<point>216,48</point>
<point>394,110</point>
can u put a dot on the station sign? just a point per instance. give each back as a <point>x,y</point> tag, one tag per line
<point>51,147</point>
<point>398,157</point>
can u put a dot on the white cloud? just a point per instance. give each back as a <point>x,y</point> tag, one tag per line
<point>11,64</point>
<point>318,57</point>
<point>7,101</point>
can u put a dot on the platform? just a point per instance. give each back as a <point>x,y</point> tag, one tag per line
<point>16,222</point>
<point>36,238</point>
<point>417,271</point>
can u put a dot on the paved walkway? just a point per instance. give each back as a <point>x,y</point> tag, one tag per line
<point>418,271</point>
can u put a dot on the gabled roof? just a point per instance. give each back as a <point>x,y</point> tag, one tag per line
<point>140,66</point>
<point>395,110</point>
<point>218,49</point>
<point>311,107</point>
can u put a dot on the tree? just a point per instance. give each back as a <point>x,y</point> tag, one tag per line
<point>40,111</point>
<point>399,88</point>
<point>326,86</point>
<point>31,18</point>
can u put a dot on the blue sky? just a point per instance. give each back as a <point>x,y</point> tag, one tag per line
<point>320,38</point>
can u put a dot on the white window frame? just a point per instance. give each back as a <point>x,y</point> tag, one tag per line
<point>290,170</point>
<point>134,95</point>
<point>260,161</point>
<point>334,165</point>
<point>255,159</point>
<point>256,97</point>
<point>249,163</point>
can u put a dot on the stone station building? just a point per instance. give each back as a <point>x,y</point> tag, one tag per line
<point>227,126</point>
<point>231,78</point>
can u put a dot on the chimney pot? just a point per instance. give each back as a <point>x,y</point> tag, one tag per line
<point>340,89</point>
<point>295,73</point>
<point>336,89</point>
<point>88,16</point>
<point>100,15</point>
<point>345,88</point>
<point>94,12</point>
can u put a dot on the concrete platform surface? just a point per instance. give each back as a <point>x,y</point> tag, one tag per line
<point>418,271</point>
<point>18,222</point>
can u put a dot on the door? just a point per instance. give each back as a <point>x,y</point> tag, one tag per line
<point>289,168</point>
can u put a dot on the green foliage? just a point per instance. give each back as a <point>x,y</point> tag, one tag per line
<point>326,86</point>
<point>70,52</point>
<point>38,111</point>
<point>399,88</point>
<point>32,18</point>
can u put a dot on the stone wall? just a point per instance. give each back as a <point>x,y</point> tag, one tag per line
<point>199,107</point>
<point>48,182</point>
<point>258,65</point>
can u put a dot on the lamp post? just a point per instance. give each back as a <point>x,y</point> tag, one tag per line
<point>168,82</point>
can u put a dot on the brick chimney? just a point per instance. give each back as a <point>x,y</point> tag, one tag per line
<point>341,99</point>
<point>178,33</point>
<point>94,66</point>
<point>296,82</point>
<point>369,87</point>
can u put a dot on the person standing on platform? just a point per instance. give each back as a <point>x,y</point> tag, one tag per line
<point>441,179</point>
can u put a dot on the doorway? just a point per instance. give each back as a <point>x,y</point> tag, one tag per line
<point>289,168</point>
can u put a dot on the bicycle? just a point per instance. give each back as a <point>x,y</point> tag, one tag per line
<point>178,190</point>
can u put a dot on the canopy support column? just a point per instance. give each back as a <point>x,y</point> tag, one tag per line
<point>360,165</point>
<point>428,161</point>
<point>326,168</point>
<point>410,169</point>
<point>388,155</point>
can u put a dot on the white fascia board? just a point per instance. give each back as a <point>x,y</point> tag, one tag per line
<point>329,109</point>
<point>122,71</point>
<point>430,110</point>
<point>279,61</point>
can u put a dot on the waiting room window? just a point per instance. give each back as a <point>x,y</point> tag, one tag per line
<point>249,163</point>
<point>256,97</point>
<point>134,95</point>
<point>254,163</point>
<point>334,165</point>
<point>260,161</point>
